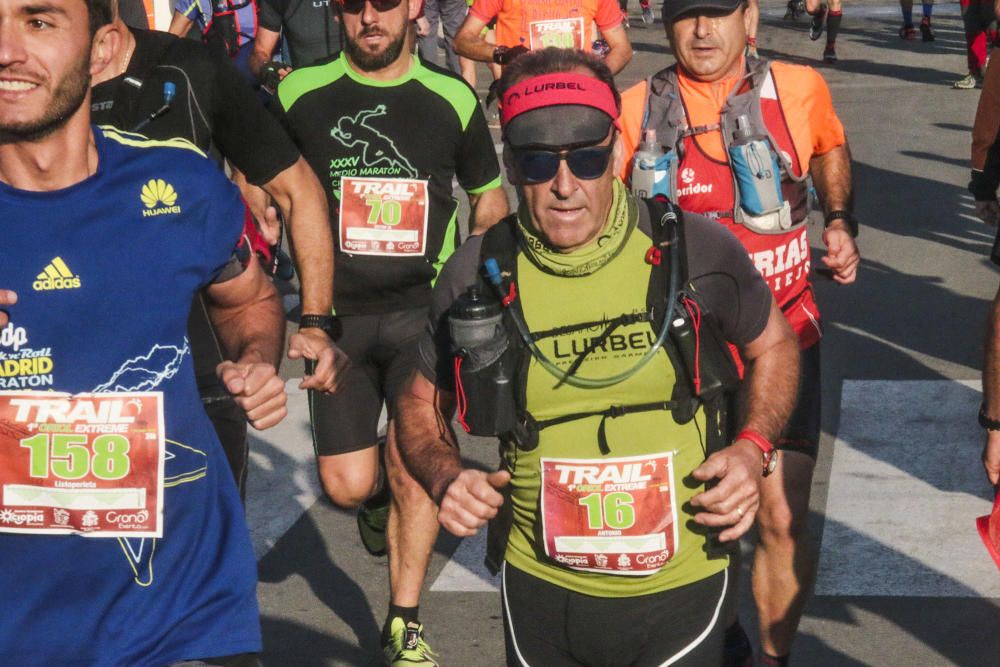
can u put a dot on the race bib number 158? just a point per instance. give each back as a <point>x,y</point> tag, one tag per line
<point>89,464</point>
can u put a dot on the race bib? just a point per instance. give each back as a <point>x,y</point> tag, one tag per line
<point>383,216</point>
<point>559,33</point>
<point>615,516</point>
<point>89,464</point>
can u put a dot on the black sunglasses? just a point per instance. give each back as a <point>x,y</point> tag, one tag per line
<point>358,6</point>
<point>538,166</point>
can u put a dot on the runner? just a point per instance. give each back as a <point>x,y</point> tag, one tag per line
<point>826,16</point>
<point>986,150</point>
<point>122,538</point>
<point>805,138</point>
<point>309,27</point>
<point>978,17</point>
<point>211,107</point>
<point>908,31</point>
<point>228,27</point>
<point>634,578</point>
<point>386,134</point>
<point>522,25</point>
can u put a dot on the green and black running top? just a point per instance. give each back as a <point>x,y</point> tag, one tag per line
<point>386,153</point>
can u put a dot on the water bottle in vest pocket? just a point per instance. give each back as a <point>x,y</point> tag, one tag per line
<point>758,178</point>
<point>654,171</point>
<point>484,365</point>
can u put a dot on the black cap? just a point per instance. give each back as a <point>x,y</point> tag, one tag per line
<point>674,8</point>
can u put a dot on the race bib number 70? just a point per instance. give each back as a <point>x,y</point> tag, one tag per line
<point>89,464</point>
<point>383,216</point>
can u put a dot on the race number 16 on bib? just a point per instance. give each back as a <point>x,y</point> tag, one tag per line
<point>615,516</point>
<point>383,216</point>
<point>88,464</point>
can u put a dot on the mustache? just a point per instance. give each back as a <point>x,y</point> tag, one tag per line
<point>372,31</point>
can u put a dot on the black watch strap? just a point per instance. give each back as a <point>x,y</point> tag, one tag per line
<point>498,55</point>
<point>328,323</point>
<point>986,421</point>
<point>846,216</point>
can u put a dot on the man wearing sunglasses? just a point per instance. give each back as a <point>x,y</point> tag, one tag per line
<point>695,111</point>
<point>386,134</point>
<point>615,496</point>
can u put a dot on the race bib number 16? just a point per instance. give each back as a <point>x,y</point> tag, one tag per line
<point>615,516</point>
<point>88,464</point>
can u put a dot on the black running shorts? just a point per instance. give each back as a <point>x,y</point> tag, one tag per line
<point>382,349</point>
<point>549,626</point>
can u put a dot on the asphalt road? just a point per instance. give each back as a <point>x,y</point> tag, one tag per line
<point>903,580</point>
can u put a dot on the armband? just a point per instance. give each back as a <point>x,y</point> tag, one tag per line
<point>986,421</point>
<point>846,216</point>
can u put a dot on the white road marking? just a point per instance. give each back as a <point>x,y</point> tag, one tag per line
<point>905,488</point>
<point>282,482</point>
<point>465,571</point>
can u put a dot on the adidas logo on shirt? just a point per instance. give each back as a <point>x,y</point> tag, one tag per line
<point>56,276</point>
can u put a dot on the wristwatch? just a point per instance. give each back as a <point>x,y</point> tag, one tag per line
<point>768,454</point>
<point>986,421</point>
<point>499,55</point>
<point>846,216</point>
<point>328,323</point>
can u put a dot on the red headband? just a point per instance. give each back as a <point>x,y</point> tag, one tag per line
<point>548,90</point>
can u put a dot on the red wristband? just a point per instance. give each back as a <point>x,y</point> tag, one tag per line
<point>756,438</point>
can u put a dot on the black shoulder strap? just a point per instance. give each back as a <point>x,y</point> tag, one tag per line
<point>500,243</point>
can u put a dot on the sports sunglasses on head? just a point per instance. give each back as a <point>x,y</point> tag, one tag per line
<point>358,6</point>
<point>539,166</point>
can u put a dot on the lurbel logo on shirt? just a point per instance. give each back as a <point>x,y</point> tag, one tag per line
<point>56,275</point>
<point>690,187</point>
<point>159,198</point>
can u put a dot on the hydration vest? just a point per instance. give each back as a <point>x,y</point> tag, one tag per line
<point>704,372</point>
<point>755,98</point>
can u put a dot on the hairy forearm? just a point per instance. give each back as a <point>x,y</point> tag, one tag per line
<point>831,174</point>
<point>771,385</point>
<point>253,331</point>
<point>488,208</point>
<point>618,57</point>
<point>427,444</point>
<point>300,197</point>
<point>472,46</point>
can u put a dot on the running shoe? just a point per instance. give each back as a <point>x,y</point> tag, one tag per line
<point>926,32</point>
<point>794,10</point>
<point>830,54</point>
<point>818,23</point>
<point>908,32</point>
<point>647,15</point>
<point>405,646</point>
<point>372,520</point>
<point>969,82</point>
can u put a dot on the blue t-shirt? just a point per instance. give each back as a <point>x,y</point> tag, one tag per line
<point>105,272</point>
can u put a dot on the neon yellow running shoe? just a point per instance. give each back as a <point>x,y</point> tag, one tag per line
<point>405,646</point>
